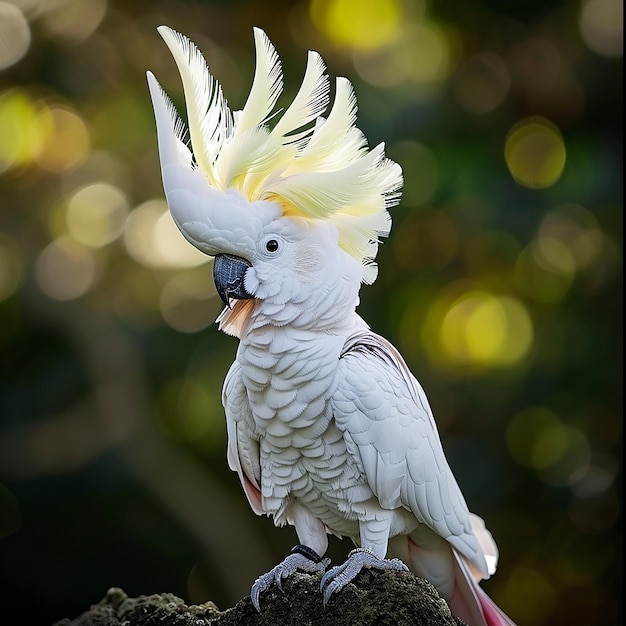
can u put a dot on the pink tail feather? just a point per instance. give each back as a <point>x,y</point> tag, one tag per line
<point>470,603</point>
<point>453,578</point>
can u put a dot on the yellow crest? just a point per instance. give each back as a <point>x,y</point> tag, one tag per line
<point>312,166</point>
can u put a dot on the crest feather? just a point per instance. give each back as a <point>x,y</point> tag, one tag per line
<point>312,166</point>
<point>209,118</point>
<point>266,86</point>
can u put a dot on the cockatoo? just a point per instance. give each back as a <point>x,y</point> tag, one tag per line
<point>327,428</point>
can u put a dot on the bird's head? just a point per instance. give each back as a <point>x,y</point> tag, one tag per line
<point>288,208</point>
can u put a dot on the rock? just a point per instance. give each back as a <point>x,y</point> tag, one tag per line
<point>381,598</point>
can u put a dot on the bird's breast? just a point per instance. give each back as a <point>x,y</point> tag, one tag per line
<point>303,455</point>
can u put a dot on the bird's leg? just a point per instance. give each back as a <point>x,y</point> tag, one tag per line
<point>371,554</point>
<point>301,558</point>
<point>306,556</point>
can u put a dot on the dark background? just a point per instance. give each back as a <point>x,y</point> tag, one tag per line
<point>500,283</point>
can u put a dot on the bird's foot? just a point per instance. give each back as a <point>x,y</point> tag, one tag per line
<point>338,577</point>
<point>301,558</point>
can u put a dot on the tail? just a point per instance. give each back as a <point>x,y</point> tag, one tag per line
<point>454,577</point>
<point>469,602</point>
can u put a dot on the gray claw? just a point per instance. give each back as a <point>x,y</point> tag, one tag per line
<point>275,576</point>
<point>338,577</point>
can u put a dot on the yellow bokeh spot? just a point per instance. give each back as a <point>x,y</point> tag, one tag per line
<point>426,52</point>
<point>483,329</point>
<point>473,329</point>
<point>52,136</point>
<point>96,214</point>
<point>59,139</point>
<point>153,240</point>
<point>358,25</point>
<point>17,114</point>
<point>535,153</point>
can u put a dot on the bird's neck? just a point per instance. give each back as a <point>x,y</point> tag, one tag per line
<point>331,309</point>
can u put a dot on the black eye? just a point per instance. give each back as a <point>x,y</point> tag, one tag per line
<point>271,245</point>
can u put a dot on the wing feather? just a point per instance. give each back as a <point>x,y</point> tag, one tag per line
<point>243,449</point>
<point>383,409</point>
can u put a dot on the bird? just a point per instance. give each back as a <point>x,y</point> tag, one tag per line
<point>328,429</point>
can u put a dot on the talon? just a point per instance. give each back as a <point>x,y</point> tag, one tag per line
<point>301,558</point>
<point>338,577</point>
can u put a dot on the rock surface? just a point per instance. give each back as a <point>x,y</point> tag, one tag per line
<point>380,598</point>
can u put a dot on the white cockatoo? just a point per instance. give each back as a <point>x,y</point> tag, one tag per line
<point>328,429</point>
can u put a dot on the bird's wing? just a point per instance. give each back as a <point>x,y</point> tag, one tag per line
<point>389,427</point>
<point>243,449</point>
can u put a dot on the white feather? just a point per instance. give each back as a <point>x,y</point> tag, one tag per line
<point>266,86</point>
<point>334,141</point>
<point>310,101</point>
<point>209,118</point>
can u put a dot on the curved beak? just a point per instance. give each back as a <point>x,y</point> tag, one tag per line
<point>228,275</point>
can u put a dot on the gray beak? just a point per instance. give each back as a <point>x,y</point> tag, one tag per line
<point>228,274</point>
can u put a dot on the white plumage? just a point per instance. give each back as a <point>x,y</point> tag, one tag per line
<point>327,428</point>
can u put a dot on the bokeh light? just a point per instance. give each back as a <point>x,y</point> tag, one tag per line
<point>602,26</point>
<point>33,131</point>
<point>15,34</point>
<point>482,83</point>
<point>65,270</point>
<point>578,232</point>
<point>422,56</point>
<point>537,278</point>
<point>96,214</point>
<point>478,329</point>
<point>73,20</point>
<point>184,302</point>
<point>545,78</point>
<point>17,114</point>
<point>535,153</point>
<point>345,24</point>
<point>539,439</point>
<point>60,139</point>
<point>152,238</point>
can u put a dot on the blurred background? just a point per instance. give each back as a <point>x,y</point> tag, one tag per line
<point>501,285</point>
